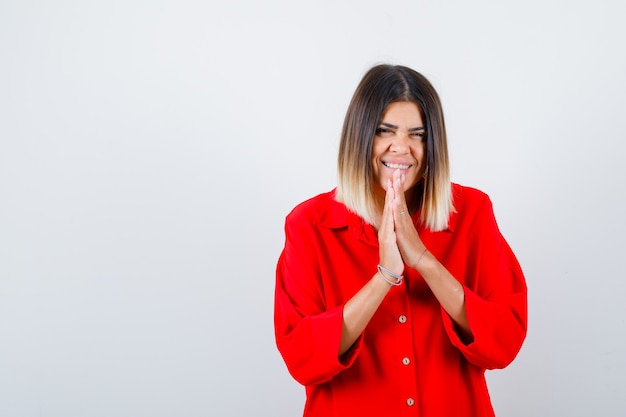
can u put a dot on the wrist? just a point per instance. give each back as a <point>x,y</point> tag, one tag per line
<point>420,258</point>
<point>389,276</point>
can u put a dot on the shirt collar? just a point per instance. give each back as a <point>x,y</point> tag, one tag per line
<point>336,215</point>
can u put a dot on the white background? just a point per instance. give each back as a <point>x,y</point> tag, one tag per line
<point>149,151</point>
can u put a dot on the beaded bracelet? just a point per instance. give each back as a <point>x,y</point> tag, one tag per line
<point>383,271</point>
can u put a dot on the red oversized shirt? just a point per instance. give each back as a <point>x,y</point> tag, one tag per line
<point>409,361</point>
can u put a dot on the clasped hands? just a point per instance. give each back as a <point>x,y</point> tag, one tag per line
<point>398,239</point>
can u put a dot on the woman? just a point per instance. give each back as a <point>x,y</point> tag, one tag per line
<point>396,290</point>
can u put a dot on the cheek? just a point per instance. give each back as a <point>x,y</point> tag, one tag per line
<point>418,152</point>
<point>375,158</point>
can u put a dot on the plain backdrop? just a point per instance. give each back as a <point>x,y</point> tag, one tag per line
<point>150,150</point>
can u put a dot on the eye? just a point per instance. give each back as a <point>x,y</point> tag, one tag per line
<point>382,131</point>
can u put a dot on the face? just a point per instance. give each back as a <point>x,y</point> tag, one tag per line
<point>399,144</point>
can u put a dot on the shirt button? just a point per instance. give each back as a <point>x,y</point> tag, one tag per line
<point>402,319</point>
<point>406,361</point>
<point>410,402</point>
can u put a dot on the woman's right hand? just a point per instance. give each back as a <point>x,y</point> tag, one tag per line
<point>359,309</point>
<point>389,254</point>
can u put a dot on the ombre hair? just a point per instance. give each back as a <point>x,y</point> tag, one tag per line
<point>382,85</point>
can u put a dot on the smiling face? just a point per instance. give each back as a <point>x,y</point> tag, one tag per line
<point>399,144</point>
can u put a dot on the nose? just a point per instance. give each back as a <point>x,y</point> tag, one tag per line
<point>400,142</point>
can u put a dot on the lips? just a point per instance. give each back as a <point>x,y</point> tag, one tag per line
<point>396,166</point>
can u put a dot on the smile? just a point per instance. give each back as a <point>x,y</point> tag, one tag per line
<point>396,166</point>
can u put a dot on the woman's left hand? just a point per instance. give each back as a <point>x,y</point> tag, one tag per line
<point>409,242</point>
<point>448,291</point>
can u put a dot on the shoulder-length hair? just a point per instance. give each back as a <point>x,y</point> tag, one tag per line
<point>382,85</point>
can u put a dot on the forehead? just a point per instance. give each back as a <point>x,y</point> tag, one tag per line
<point>402,111</point>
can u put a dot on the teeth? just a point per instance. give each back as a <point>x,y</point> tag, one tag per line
<point>396,166</point>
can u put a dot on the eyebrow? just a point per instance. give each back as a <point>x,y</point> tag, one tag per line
<point>413,129</point>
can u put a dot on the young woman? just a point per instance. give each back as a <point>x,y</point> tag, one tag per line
<point>395,291</point>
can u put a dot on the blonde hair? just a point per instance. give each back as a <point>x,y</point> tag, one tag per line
<point>382,85</point>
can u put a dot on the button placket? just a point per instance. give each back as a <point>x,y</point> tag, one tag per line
<point>406,359</point>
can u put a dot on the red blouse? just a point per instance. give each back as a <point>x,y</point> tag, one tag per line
<point>409,361</point>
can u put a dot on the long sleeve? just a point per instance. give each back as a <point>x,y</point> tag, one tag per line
<point>495,295</point>
<point>307,328</point>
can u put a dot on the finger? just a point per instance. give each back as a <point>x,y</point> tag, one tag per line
<point>387,216</point>
<point>389,251</point>
<point>386,236</point>
<point>400,206</point>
